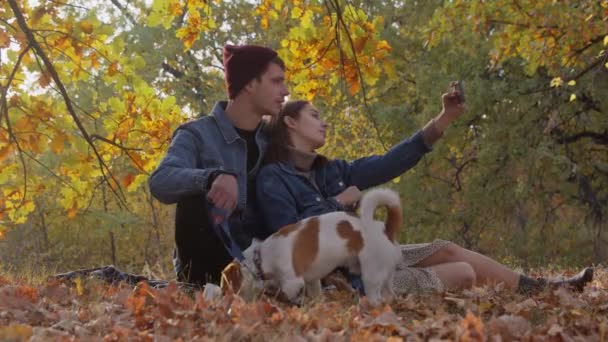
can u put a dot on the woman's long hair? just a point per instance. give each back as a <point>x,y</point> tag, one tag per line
<point>279,139</point>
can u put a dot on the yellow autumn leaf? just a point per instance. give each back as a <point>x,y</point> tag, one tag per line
<point>606,40</point>
<point>296,12</point>
<point>4,39</point>
<point>264,23</point>
<point>78,283</point>
<point>572,97</point>
<point>383,45</point>
<point>572,83</point>
<point>557,82</point>
<point>188,35</point>
<point>86,26</point>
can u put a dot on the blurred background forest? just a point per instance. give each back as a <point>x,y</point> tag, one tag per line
<point>91,92</point>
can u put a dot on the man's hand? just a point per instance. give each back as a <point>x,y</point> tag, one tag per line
<point>223,193</point>
<point>349,197</point>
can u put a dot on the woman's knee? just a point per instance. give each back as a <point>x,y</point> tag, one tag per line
<point>456,275</point>
<point>468,275</point>
<point>451,252</point>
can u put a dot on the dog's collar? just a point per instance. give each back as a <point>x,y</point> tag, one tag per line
<point>257,261</point>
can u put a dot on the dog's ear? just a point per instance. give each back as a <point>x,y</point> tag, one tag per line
<point>232,278</point>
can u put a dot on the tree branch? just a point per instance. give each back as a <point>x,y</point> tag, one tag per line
<point>598,138</point>
<point>68,102</point>
<point>124,11</point>
<point>99,137</point>
<point>340,20</point>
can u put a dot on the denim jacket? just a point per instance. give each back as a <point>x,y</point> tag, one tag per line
<point>201,148</point>
<point>286,196</point>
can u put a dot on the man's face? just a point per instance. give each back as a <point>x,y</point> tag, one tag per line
<point>269,92</point>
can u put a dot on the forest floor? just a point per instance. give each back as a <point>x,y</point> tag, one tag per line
<point>91,310</point>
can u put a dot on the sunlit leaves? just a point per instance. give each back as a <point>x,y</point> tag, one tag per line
<point>555,35</point>
<point>198,18</point>
<point>326,47</point>
<point>88,56</point>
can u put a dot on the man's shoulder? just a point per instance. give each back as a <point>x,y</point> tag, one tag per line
<point>200,122</point>
<point>198,125</point>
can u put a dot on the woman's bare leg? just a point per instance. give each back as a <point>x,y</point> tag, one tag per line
<point>486,269</point>
<point>455,275</point>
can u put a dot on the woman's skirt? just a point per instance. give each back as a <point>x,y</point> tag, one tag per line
<point>409,279</point>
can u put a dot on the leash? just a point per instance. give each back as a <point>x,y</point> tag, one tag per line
<point>222,230</point>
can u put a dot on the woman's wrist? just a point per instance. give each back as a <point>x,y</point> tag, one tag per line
<point>431,132</point>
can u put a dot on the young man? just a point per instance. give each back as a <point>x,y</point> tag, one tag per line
<point>214,160</point>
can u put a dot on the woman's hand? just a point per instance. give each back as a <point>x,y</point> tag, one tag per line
<point>349,197</point>
<point>451,110</point>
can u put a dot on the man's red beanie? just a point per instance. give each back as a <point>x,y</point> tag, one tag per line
<point>242,63</point>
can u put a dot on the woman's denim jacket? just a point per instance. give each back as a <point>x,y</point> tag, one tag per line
<point>286,196</point>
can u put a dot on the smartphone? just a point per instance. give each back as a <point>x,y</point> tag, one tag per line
<point>460,89</point>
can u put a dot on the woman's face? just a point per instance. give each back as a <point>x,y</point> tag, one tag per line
<point>308,131</point>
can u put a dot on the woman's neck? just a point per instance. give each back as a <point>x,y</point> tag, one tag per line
<point>300,144</point>
<point>302,160</point>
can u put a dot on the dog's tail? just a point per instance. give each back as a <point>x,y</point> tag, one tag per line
<point>383,197</point>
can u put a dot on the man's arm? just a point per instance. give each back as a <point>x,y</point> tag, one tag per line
<point>177,176</point>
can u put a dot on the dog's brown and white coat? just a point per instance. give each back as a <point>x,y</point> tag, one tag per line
<point>301,254</point>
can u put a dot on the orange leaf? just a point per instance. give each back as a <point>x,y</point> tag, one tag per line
<point>175,8</point>
<point>5,151</point>
<point>5,41</point>
<point>45,79</point>
<point>360,44</point>
<point>472,327</point>
<point>113,69</point>
<point>72,212</point>
<point>58,143</point>
<point>128,179</point>
<point>355,86</point>
<point>25,124</point>
<point>94,61</point>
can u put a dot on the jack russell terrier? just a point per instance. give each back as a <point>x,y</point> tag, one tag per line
<point>298,255</point>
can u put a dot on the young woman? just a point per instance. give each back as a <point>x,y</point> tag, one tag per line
<point>297,183</point>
